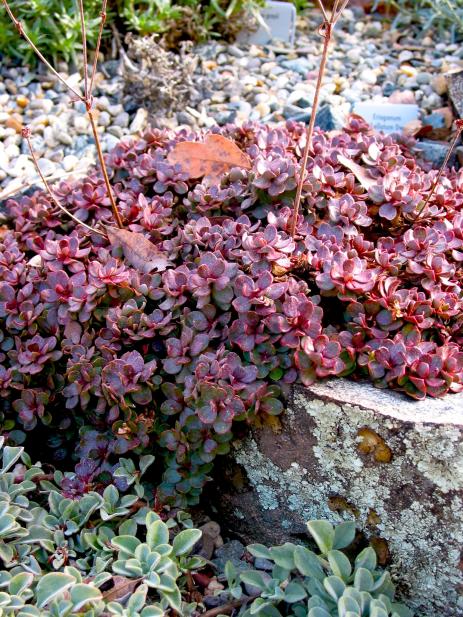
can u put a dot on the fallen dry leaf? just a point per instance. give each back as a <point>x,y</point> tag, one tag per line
<point>359,172</point>
<point>211,159</point>
<point>121,589</point>
<point>413,127</point>
<point>138,250</point>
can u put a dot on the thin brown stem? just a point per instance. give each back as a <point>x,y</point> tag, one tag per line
<point>326,31</point>
<point>441,170</point>
<point>87,98</point>
<point>84,47</point>
<point>323,10</point>
<point>28,184</point>
<point>227,608</point>
<point>310,130</point>
<point>116,214</point>
<point>340,11</point>
<point>19,27</point>
<point>98,44</point>
<point>27,136</point>
<point>335,10</point>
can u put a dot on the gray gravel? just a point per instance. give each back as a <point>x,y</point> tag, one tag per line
<point>234,84</point>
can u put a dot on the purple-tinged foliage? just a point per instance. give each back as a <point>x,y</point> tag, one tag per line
<point>116,360</point>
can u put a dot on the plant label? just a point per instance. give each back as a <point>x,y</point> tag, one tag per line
<point>277,23</point>
<point>387,117</point>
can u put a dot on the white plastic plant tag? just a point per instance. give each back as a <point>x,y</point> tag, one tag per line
<point>278,23</point>
<point>387,117</point>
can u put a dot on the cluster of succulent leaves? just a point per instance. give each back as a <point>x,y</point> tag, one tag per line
<point>444,15</point>
<point>301,583</point>
<point>55,26</point>
<point>105,553</point>
<point>97,353</point>
<point>111,553</point>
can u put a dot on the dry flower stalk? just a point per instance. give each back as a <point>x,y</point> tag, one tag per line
<point>326,31</point>
<point>88,85</point>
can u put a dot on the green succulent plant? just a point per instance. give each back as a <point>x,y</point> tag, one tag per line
<point>445,15</point>
<point>305,584</point>
<point>55,28</point>
<point>57,552</point>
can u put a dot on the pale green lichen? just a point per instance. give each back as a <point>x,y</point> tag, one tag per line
<point>424,536</point>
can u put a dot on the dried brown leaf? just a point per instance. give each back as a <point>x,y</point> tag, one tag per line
<point>121,589</point>
<point>211,159</point>
<point>139,252</point>
<point>359,172</point>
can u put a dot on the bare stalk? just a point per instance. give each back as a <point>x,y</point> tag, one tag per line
<point>19,27</point>
<point>116,214</point>
<point>435,184</point>
<point>87,97</point>
<point>98,44</point>
<point>84,48</point>
<point>326,32</point>
<point>26,133</point>
<point>228,608</point>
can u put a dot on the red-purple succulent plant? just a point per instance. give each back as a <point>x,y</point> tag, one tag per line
<point>116,360</point>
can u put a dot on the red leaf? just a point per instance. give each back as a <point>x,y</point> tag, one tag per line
<point>211,159</point>
<point>140,252</point>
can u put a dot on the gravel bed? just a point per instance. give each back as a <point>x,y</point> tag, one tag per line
<point>230,83</point>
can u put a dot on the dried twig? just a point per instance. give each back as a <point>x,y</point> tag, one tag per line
<point>459,125</point>
<point>326,31</point>
<point>19,27</point>
<point>30,183</point>
<point>98,44</point>
<point>84,48</point>
<point>87,97</point>
<point>227,608</point>
<point>26,133</point>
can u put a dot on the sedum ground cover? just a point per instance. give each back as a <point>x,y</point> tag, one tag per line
<point>101,358</point>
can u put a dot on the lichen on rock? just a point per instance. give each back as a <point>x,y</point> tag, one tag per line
<point>348,451</point>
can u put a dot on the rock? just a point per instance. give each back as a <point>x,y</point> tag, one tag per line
<point>455,87</point>
<point>230,551</point>
<point>291,111</point>
<point>298,65</point>
<point>110,141</point>
<point>139,122</point>
<point>81,124</point>
<point>348,451</point>
<point>388,88</point>
<point>69,162</point>
<point>329,118</point>
<point>435,152</point>
<point>183,117</point>
<point>423,78</point>
<point>436,120</point>
<point>368,76</point>
<point>122,120</point>
<point>225,117</point>
<point>14,122</point>
<point>46,166</point>
<point>22,101</point>
<point>405,55</point>
<point>263,564</point>
<point>233,50</point>
<point>354,55</point>
<point>104,119</point>
<point>439,84</point>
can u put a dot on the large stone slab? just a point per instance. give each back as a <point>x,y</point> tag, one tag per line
<point>455,84</point>
<point>349,451</point>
